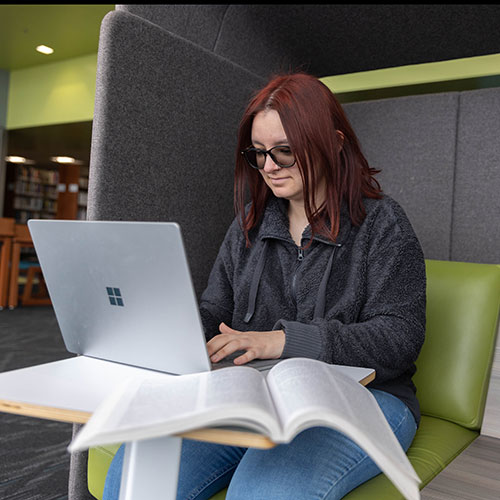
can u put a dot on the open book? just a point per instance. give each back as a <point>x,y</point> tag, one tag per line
<point>294,395</point>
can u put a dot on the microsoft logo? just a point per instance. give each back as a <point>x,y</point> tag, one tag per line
<point>115,296</point>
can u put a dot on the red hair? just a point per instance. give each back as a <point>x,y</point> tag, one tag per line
<point>325,147</point>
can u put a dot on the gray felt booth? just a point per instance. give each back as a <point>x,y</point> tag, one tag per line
<point>172,83</point>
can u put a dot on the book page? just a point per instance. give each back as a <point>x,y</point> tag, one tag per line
<point>152,407</point>
<point>299,384</point>
<point>310,393</point>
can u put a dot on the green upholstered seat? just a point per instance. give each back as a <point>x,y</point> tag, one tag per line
<point>452,376</point>
<point>98,465</point>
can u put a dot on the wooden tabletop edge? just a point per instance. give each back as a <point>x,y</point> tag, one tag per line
<point>219,435</point>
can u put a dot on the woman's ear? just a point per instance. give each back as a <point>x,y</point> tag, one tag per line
<point>341,138</point>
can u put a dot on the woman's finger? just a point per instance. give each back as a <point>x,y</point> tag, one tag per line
<point>216,343</point>
<point>246,357</point>
<point>228,348</point>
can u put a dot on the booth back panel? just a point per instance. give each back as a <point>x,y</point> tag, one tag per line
<point>476,212</point>
<point>164,134</point>
<point>197,23</point>
<point>412,141</point>
<point>331,39</point>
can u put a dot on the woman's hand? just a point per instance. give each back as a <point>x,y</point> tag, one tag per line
<point>262,345</point>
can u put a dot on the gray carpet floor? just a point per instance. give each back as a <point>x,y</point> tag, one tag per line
<point>34,463</point>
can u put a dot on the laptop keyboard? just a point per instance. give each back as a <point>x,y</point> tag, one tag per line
<point>258,364</point>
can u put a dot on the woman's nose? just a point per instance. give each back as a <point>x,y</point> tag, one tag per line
<point>269,165</point>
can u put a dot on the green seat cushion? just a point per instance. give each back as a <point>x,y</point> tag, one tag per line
<point>98,464</point>
<point>436,444</point>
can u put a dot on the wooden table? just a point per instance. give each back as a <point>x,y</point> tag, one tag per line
<point>7,232</point>
<point>70,390</point>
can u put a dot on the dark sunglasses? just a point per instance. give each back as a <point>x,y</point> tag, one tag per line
<point>282,156</point>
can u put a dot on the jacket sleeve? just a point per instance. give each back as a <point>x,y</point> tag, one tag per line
<point>217,302</point>
<point>390,329</point>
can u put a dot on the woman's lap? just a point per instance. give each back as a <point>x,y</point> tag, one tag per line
<point>319,463</point>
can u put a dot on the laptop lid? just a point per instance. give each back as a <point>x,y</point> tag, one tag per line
<point>122,291</point>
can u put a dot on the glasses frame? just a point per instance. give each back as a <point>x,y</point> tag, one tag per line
<point>268,152</point>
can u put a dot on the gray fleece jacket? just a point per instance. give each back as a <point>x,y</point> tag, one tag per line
<point>357,301</point>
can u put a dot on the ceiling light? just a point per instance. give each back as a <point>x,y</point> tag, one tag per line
<point>44,49</point>
<point>15,159</point>
<point>63,159</point>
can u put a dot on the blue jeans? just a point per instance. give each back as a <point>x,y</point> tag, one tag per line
<point>320,463</point>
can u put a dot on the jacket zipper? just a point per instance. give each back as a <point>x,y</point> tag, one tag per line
<point>300,258</point>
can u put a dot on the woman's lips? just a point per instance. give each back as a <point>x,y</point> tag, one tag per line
<point>278,180</point>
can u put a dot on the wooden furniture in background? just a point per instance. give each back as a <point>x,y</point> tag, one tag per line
<point>6,235</point>
<point>68,187</point>
<point>41,298</point>
<point>21,239</point>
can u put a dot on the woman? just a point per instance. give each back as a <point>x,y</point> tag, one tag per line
<point>319,264</point>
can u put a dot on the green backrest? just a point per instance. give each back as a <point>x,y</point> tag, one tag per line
<point>453,369</point>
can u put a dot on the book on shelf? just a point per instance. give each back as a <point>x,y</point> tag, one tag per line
<point>296,394</point>
<point>38,175</point>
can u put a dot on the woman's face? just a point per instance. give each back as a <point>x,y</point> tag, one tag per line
<point>267,132</point>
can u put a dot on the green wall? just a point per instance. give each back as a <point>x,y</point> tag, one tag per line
<point>4,91</point>
<point>444,76</point>
<point>61,92</point>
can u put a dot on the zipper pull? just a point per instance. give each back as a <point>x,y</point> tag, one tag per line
<point>301,255</point>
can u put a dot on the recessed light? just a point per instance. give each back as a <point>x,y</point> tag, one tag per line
<point>44,49</point>
<point>63,159</point>
<point>15,159</point>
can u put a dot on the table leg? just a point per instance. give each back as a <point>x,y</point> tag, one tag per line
<point>151,469</point>
<point>5,252</point>
<point>14,276</point>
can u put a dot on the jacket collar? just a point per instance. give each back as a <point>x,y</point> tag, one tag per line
<point>275,223</point>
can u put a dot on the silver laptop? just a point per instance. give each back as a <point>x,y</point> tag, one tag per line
<point>122,292</point>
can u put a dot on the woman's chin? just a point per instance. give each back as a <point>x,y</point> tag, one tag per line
<point>281,191</point>
<point>287,194</point>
